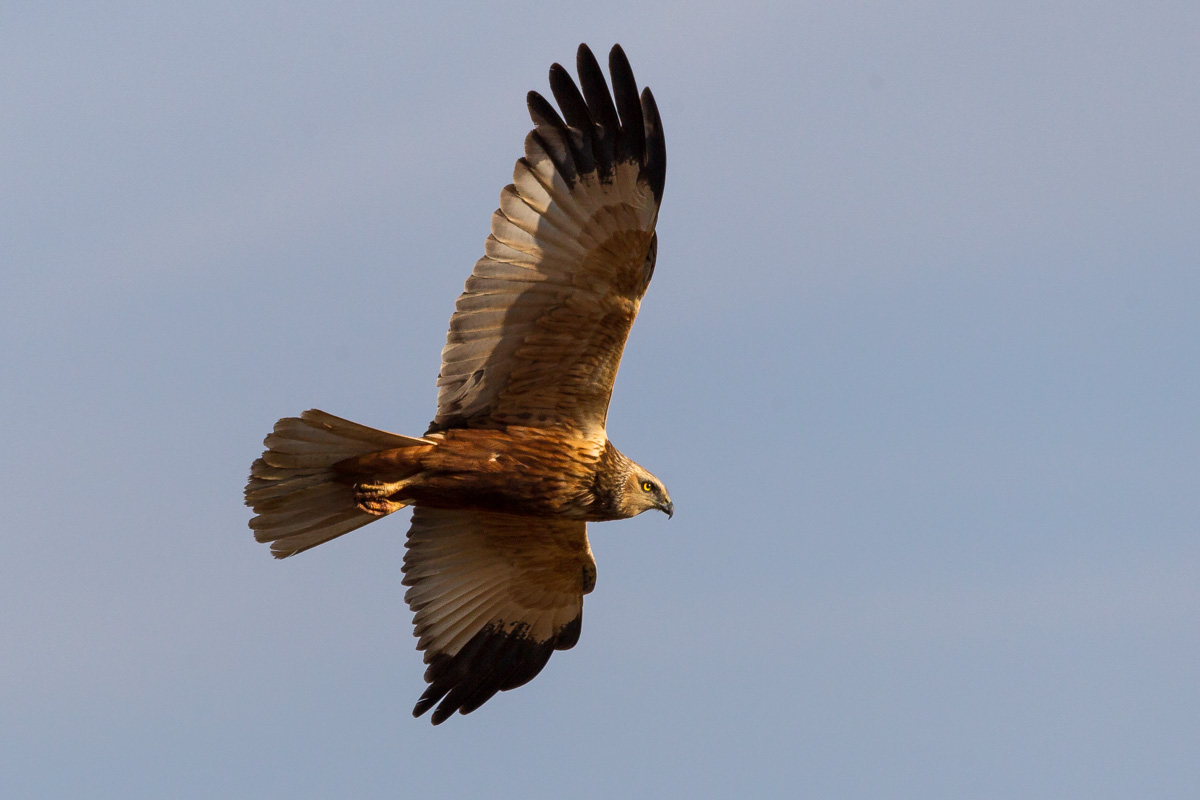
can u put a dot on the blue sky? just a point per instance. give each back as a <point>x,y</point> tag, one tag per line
<point>918,366</point>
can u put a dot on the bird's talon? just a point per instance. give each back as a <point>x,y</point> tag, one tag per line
<point>373,498</point>
<point>380,507</point>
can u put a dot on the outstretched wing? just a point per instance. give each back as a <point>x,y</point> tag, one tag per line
<point>537,336</point>
<point>493,596</point>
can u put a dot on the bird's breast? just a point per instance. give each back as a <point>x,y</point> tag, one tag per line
<point>517,470</point>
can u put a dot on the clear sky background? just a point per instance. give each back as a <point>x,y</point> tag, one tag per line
<point>920,366</point>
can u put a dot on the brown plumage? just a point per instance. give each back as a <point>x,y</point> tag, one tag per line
<point>516,460</point>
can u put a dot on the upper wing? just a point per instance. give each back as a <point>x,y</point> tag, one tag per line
<point>493,595</point>
<point>537,336</point>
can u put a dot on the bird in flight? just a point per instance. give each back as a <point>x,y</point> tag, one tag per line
<point>517,460</point>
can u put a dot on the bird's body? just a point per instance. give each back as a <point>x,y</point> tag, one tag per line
<point>539,472</point>
<point>517,459</point>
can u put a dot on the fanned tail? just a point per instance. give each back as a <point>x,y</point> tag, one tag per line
<point>298,500</point>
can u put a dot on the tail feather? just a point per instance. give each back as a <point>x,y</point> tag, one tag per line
<point>331,529</point>
<point>298,501</point>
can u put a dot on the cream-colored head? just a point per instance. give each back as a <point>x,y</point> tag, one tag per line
<point>641,491</point>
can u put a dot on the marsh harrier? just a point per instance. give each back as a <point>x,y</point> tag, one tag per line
<point>517,460</point>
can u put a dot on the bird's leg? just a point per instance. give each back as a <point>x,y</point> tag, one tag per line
<point>373,498</point>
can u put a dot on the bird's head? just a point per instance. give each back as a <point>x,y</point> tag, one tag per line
<point>643,491</point>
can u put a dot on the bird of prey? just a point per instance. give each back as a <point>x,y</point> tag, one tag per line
<point>517,460</point>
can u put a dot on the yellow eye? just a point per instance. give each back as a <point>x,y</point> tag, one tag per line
<point>647,486</point>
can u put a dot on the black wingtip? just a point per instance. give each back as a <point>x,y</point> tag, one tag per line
<point>625,93</point>
<point>582,129</point>
<point>541,112</point>
<point>655,165</point>
<point>568,636</point>
<point>570,100</point>
<point>421,707</point>
<point>595,90</point>
<point>493,661</point>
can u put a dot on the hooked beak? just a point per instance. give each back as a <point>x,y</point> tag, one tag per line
<point>667,508</point>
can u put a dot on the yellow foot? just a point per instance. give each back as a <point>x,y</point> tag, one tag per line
<point>373,498</point>
<point>380,508</point>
